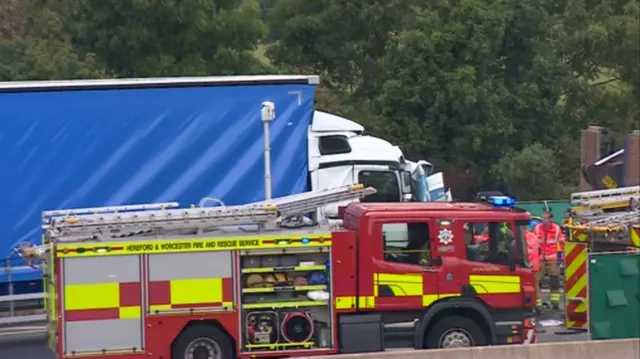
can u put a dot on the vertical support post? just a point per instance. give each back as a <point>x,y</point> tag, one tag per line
<point>268,113</point>
<point>12,304</point>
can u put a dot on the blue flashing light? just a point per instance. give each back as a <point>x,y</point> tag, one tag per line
<point>501,201</point>
<point>305,241</point>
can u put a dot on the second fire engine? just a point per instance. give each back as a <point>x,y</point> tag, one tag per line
<point>154,281</point>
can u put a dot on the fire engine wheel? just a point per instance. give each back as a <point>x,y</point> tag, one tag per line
<point>202,342</point>
<point>455,332</point>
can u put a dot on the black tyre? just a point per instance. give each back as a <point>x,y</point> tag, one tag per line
<point>202,342</point>
<point>455,332</point>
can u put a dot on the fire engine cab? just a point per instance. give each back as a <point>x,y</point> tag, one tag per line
<point>157,281</point>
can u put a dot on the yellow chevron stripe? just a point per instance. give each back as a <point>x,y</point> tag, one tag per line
<point>573,325</point>
<point>578,262</point>
<point>581,308</point>
<point>580,285</point>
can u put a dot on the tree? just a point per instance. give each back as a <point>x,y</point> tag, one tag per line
<point>445,84</point>
<point>12,19</point>
<point>531,174</point>
<point>599,41</point>
<point>35,47</point>
<point>37,59</point>
<point>343,41</point>
<point>467,84</point>
<point>473,80</point>
<point>142,38</point>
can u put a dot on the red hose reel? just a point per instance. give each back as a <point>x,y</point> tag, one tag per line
<point>297,327</point>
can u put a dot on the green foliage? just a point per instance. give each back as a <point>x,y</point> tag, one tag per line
<point>491,91</point>
<point>36,59</point>
<point>344,41</point>
<point>531,174</point>
<point>141,38</point>
<point>468,83</point>
<point>34,46</point>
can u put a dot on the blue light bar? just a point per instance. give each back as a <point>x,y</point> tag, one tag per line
<point>501,201</point>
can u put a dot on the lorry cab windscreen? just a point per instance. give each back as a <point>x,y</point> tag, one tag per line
<point>385,183</point>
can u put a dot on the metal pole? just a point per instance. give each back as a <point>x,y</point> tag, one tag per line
<point>10,287</point>
<point>268,114</point>
<point>267,162</point>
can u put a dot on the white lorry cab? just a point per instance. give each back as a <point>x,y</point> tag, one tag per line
<point>340,154</point>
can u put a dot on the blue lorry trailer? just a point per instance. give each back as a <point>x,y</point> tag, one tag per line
<point>76,144</point>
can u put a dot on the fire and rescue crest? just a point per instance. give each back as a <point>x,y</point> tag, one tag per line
<point>445,236</point>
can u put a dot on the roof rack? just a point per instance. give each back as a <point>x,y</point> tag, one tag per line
<point>122,222</point>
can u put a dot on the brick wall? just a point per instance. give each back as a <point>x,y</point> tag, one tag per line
<point>632,158</point>
<point>589,151</point>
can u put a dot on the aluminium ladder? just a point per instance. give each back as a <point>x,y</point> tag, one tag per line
<point>622,219</point>
<point>122,222</point>
<point>600,198</point>
<point>618,223</point>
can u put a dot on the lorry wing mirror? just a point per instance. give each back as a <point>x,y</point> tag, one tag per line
<point>406,182</point>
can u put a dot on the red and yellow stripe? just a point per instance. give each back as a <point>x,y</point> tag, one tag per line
<point>635,236</point>
<point>190,294</point>
<point>411,290</point>
<point>576,282</point>
<point>83,302</point>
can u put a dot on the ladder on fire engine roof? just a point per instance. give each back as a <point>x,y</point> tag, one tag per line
<point>614,222</point>
<point>121,222</point>
<point>606,197</point>
<point>621,219</point>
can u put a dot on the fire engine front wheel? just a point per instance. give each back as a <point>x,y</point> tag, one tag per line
<point>455,332</point>
<point>202,342</point>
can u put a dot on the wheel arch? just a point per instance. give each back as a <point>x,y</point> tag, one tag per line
<point>471,308</point>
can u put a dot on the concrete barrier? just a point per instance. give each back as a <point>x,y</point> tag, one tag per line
<point>622,349</point>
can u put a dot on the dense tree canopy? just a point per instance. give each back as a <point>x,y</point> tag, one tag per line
<point>494,92</point>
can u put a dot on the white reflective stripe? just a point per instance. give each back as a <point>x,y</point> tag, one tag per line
<point>529,338</point>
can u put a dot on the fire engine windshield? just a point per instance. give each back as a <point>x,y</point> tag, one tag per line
<point>495,242</point>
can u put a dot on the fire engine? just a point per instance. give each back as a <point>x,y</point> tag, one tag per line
<point>602,221</point>
<point>163,282</point>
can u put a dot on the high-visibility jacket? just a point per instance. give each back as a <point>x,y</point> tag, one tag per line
<point>533,248</point>
<point>551,238</point>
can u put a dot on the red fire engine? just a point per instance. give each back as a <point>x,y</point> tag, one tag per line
<point>153,281</point>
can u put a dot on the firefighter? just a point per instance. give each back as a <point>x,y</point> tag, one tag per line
<point>533,249</point>
<point>549,235</point>
<point>482,237</point>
